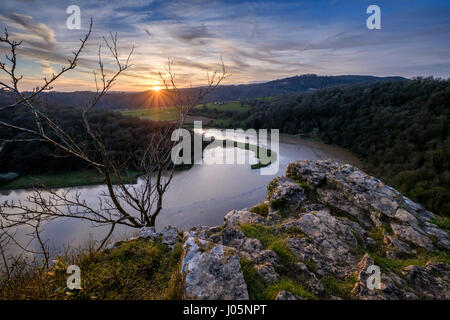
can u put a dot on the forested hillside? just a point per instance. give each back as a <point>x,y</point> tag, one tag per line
<point>150,98</point>
<point>400,129</point>
<point>121,135</point>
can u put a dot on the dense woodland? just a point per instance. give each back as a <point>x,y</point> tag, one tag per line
<point>121,135</point>
<point>400,129</point>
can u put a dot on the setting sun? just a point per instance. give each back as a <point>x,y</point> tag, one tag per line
<point>156,88</point>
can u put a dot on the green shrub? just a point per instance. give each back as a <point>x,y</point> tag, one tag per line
<point>261,209</point>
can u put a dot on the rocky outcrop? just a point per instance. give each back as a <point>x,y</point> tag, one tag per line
<point>327,224</point>
<point>169,235</point>
<point>432,281</point>
<point>211,271</point>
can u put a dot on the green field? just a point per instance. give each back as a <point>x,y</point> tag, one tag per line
<point>68,179</point>
<point>171,113</point>
<point>230,106</point>
<point>154,113</point>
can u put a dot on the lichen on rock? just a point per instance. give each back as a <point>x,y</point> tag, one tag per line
<point>211,272</point>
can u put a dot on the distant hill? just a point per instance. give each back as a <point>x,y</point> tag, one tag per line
<point>307,82</point>
<point>145,99</point>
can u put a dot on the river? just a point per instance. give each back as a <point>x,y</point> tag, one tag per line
<point>201,195</point>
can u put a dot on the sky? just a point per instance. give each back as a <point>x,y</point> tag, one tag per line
<point>257,40</point>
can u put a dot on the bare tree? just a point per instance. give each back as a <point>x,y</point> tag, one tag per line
<point>134,206</point>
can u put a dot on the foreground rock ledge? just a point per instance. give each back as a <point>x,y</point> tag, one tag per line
<point>211,271</point>
<point>320,228</point>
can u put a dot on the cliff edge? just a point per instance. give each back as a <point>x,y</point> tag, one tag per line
<point>323,232</point>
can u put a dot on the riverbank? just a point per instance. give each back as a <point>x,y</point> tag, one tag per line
<point>91,177</point>
<point>65,179</point>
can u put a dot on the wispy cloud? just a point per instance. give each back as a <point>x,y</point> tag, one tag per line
<point>36,34</point>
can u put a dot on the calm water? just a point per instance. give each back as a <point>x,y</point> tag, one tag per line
<point>201,195</point>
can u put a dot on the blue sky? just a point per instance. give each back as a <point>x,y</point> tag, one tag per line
<point>258,40</point>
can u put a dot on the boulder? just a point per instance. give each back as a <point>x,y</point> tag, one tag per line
<point>211,272</point>
<point>284,192</point>
<point>412,234</point>
<point>168,235</point>
<point>334,237</point>
<point>236,217</point>
<point>313,282</point>
<point>267,272</point>
<point>149,233</point>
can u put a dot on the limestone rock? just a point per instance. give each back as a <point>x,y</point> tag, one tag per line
<point>169,235</point>
<point>335,237</point>
<point>267,256</point>
<point>403,215</point>
<point>285,193</point>
<point>149,233</point>
<point>432,282</point>
<point>267,272</point>
<point>236,217</point>
<point>211,271</point>
<point>313,282</point>
<point>443,239</point>
<point>392,287</point>
<point>356,187</point>
<point>397,248</point>
<point>411,234</point>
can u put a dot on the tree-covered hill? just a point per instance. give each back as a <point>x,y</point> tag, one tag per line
<point>400,129</point>
<point>121,135</point>
<point>146,99</point>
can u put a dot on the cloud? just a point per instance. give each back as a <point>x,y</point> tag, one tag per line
<point>37,34</point>
<point>46,68</point>
<point>188,33</point>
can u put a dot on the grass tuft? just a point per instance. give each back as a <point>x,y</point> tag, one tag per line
<point>291,286</point>
<point>442,222</point>
<point>261,209</point>
<point>339,288</point>
<point>138,269</point>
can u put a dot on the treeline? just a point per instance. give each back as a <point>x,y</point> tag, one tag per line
<point>399,128</point>
<point>300,83</point>
<point>121,135</point>
<point>149,98</point>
